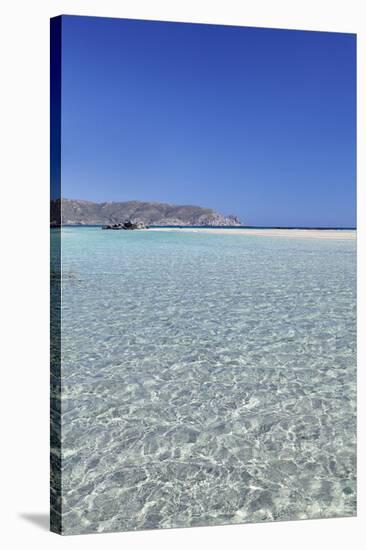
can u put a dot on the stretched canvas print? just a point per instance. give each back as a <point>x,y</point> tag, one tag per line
<point>203,275</point>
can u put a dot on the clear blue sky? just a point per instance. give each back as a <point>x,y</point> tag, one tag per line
<point>254,122</point>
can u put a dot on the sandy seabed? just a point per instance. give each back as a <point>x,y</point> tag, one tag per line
<point>206,380</point>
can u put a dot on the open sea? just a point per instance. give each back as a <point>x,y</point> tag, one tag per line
<point>206,379</point>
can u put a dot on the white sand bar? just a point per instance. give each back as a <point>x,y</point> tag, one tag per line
<point>297,233</point>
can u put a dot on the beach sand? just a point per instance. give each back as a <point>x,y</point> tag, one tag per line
<point>297,233</point>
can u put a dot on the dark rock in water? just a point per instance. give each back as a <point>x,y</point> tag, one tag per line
<point>127,225</point>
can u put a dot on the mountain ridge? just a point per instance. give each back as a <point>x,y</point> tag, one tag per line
<point>83,212</point>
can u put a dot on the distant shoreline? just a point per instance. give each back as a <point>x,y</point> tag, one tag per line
<point>230,227</point>
<point>292,232</point>
<point>340,234</point>
<point>264,227</point>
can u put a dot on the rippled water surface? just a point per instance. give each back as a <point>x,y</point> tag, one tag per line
<point>207,379</point>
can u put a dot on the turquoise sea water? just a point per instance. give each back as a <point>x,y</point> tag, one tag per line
<point>206,379</point>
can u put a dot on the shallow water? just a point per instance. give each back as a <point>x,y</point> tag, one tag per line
<point>206,379</point>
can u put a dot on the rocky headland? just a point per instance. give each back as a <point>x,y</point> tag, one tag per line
<point>80,212</point>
